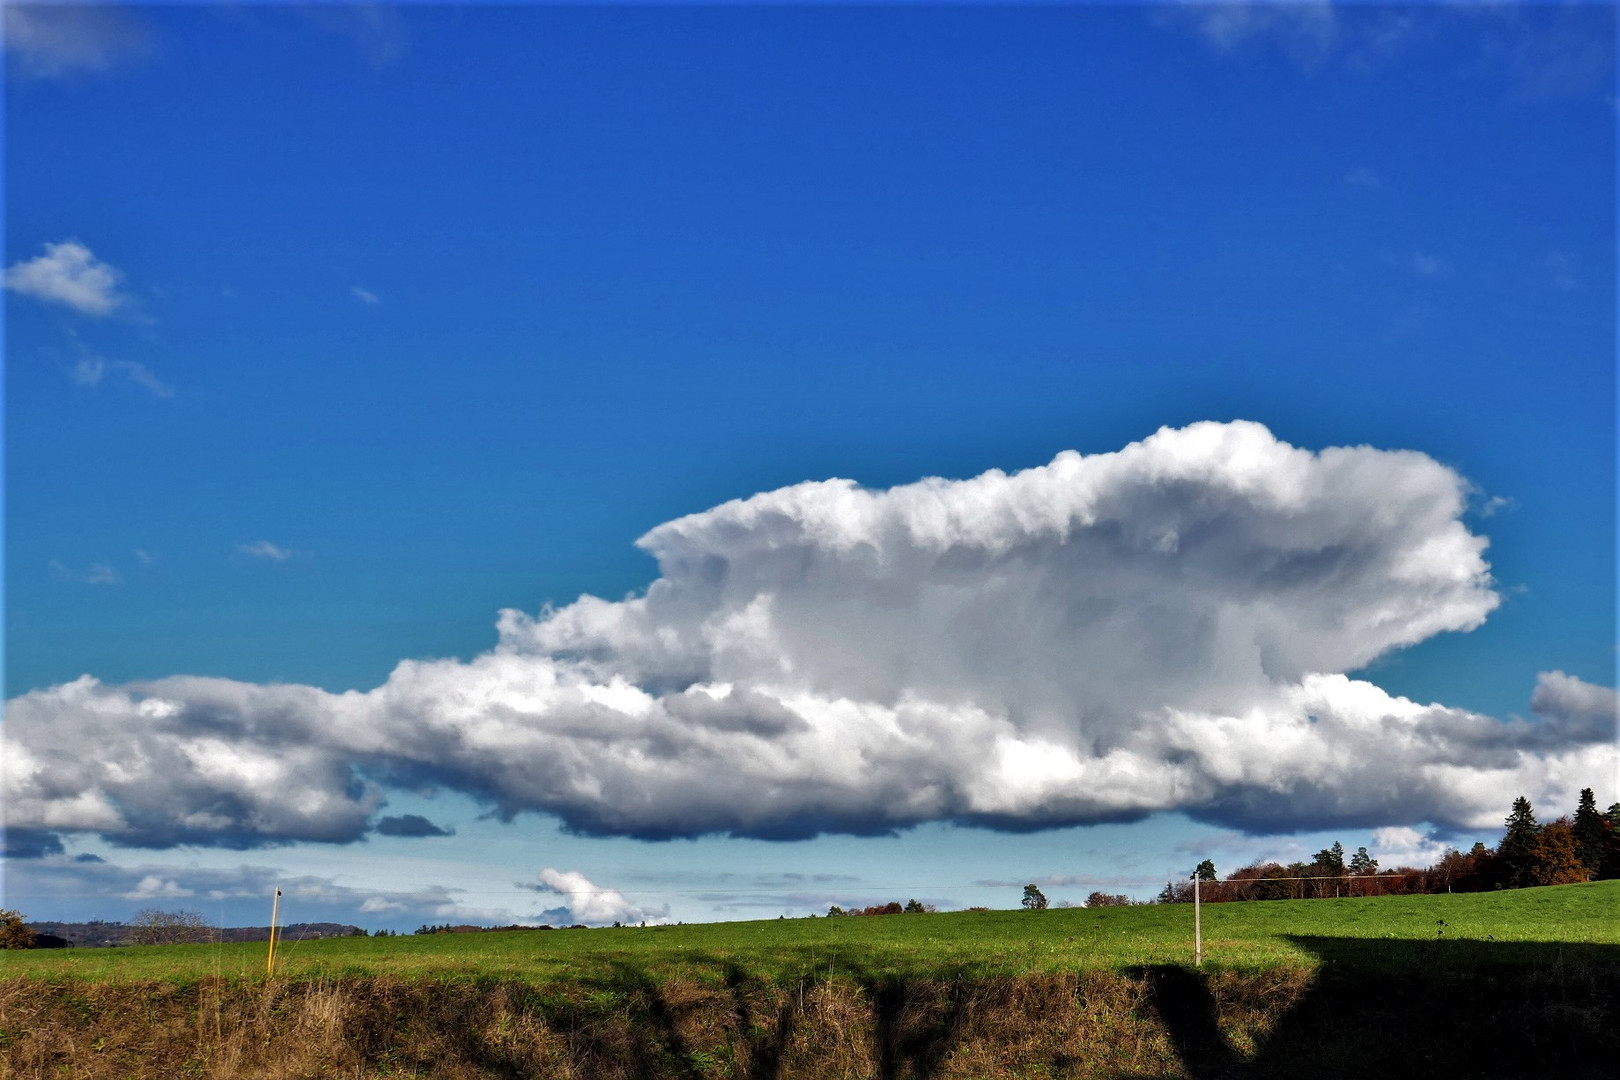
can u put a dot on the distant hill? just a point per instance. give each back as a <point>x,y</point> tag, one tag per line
<point>98,934</point>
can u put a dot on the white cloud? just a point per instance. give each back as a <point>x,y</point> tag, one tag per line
<point>1576,706</point>
<point>264,549</point>
<point>153,887</point>
<point>365,296</point>
<point>1160,628</point>
<point>590,903</point>
<point>53,41</point>
<point>69,273</point>
<point>1401,845</point>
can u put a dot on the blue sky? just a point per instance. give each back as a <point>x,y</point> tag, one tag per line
<point>399,317</point>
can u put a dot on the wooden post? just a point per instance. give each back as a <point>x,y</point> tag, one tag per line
<point>275,909</point>
<point>1198,925</point>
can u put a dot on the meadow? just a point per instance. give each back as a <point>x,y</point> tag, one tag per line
<point>1520,983</point>
<point>942,945</point>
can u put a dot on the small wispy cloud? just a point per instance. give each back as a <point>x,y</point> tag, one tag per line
<point>365,296</point>
<point>376,29</point>
<point>55,41</point>
<point>264,549</point>
<point>1424,264</point>
<point>144,557</point>
<point>96,574</point>
<point>92,371</point>
<point>1306,30</point>
<point>70,274</point>
<point>1557,270</point>
<point>1561,51</point>
<point>1065,881</point>
<point>1364,178</point>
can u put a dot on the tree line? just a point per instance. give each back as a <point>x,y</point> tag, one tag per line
<point>893,907</point>
<point>1584,846</point>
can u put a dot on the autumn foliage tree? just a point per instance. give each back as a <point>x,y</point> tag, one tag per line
<point>1561,852</point>
<point>1554,858</point>
<point>14,930</point>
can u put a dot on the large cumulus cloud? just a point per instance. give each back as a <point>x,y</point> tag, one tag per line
<point>1165,627</point>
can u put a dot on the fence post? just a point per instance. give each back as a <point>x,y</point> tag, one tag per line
<point>275,909</point>
<point>1198,925</point>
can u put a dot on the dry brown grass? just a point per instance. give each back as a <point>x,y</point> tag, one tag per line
<point>373,1027</point>
<point>1153,1022</point>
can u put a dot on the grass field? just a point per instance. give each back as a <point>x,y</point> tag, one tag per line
<point>1522,983</point>
<point>949,945</point>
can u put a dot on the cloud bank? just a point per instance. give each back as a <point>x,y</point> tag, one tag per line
<point>1161,628</point>
<point>240,895</point>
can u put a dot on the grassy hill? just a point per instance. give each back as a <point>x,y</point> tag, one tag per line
<point>1523,982</point>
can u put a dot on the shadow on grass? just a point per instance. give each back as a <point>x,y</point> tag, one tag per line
<point>1374,1008</point>
<point>1410,1008</point>
<point>916,1022</point>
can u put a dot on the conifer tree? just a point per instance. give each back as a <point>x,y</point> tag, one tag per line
<point>1590,835</point>
<point>1517,849</point>
<point>1330,860</point>
<point>1362,863</point>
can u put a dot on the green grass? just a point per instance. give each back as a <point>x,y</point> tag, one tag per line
<point>1528,925</point>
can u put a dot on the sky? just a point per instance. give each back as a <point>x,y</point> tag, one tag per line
<point>583,463</point>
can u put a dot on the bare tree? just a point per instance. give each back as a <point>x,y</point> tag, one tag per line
<point>154,927</point>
